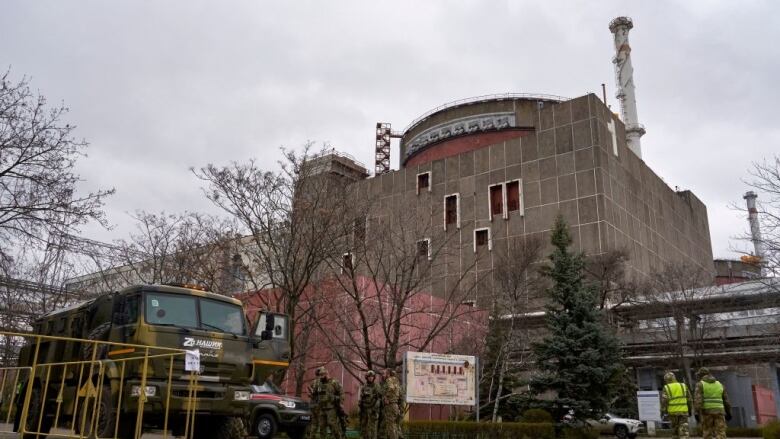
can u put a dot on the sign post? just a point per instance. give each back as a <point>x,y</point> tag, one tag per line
<point>649,402</point>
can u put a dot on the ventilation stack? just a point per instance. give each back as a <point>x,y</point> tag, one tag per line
<point>755,227</point>
<point>624,74</point>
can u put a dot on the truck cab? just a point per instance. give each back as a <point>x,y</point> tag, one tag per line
<point>139,337</point>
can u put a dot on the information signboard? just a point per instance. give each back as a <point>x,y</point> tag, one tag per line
<point>440,378</point>
<point>649,402</point>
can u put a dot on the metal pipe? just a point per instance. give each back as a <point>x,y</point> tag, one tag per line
<point>624,75</point>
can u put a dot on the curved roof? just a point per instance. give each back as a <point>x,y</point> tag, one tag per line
<point>483,98</point>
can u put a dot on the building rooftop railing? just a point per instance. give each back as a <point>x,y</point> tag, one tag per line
<point>337,153</point>
<point>484,98</point>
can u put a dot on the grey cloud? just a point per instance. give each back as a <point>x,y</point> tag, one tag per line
<point>157,87</point>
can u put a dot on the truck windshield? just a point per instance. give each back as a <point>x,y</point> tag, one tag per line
<point>194,312</point>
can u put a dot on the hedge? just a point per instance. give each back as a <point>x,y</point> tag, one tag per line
<point>477,430</point>
<point>730,432</point>
<point>772,430</point>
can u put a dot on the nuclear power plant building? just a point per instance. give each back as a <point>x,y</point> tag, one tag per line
<point>497,168</point>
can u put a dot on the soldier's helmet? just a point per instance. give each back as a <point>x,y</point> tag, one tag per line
<point>321,371</point>
<point>370,373</point>
<point>669,377</point>
<point>702,372</point>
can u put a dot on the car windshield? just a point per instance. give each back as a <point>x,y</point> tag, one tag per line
<point>194,312</point>
<point>267,387</point>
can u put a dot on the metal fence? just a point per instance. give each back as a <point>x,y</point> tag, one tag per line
<point>103,392</point>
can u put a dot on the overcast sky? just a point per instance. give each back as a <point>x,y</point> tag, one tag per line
<point>157,87</point>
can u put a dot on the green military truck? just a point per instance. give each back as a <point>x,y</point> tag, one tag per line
<point>232,356</point>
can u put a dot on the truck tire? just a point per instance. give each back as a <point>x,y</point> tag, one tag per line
<point>221,427</point>
<point>106,421</point>
<point>100,333</point>
<point>265,426</point>
<point>34,411</point>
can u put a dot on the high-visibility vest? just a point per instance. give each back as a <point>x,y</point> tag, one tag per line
<point>712,394</point>
<point>678,401</point>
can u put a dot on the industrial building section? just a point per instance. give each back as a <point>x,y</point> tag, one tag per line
<point>483,171</point>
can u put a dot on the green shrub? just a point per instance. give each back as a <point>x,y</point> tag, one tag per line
<point>537,416</point>
<point>735,432</point>
<point>475,430</point>
<point>772,430</point>
<point>579,433</point>
<point>743,432</point>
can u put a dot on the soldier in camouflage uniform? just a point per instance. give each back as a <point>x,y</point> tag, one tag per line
<point>370,404</point>
<point>712,404</point>
<point>391,409</point>
<point>676,402</point>
<point>312,430</point>
<point>327,393</point>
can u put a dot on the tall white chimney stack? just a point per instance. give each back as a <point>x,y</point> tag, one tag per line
<point>755,228</point>
<point>624,74</point>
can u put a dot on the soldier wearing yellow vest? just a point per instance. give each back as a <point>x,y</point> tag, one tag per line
<point>712,404</point>
<point>677,403</point>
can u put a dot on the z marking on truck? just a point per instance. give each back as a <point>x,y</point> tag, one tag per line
<point>192,342</point>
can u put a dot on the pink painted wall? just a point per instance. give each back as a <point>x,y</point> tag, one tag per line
<point>338,314</point>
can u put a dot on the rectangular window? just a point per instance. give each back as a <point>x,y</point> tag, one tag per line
<point>424,248</point>
<point>169,309</point>
<point>451,213</point>
<point>346,262</point>
<point>223,317</point>
<point>424,182</point>
<point>496,200</point>
<point>193,312</point>
<point>279,327</point>
<point>482,239</point>
<point>513,196</point>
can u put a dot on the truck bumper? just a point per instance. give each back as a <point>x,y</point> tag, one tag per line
<point>212,398</point>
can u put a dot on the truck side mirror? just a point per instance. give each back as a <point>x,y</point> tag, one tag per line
<point>268,333</point>
<point>264,326</point>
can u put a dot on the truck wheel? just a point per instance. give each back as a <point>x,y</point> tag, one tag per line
<point>34,411</point>
<point>106,419</point>
<point>265,426</point>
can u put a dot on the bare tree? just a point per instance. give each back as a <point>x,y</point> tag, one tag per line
<point>387,293</point>
<point>187,248</point>
<point>676,316</point>
<point>516,283</point>
<point>292,219</point>
<point>38,152</point>
<point>607,271</point>
<point>32,283</point>
<point>766,180</point>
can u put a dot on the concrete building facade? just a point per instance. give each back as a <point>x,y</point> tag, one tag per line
<point>489,170</point>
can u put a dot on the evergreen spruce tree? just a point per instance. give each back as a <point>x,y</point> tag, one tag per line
<point>579,359</point>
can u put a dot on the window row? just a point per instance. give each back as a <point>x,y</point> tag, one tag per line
<point>423,248</point>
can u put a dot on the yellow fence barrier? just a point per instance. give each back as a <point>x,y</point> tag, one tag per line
<point>104,392</point>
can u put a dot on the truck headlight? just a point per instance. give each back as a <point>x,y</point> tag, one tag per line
<point>150,391</point>
<point>241,395</point>
<point>287,403</point>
